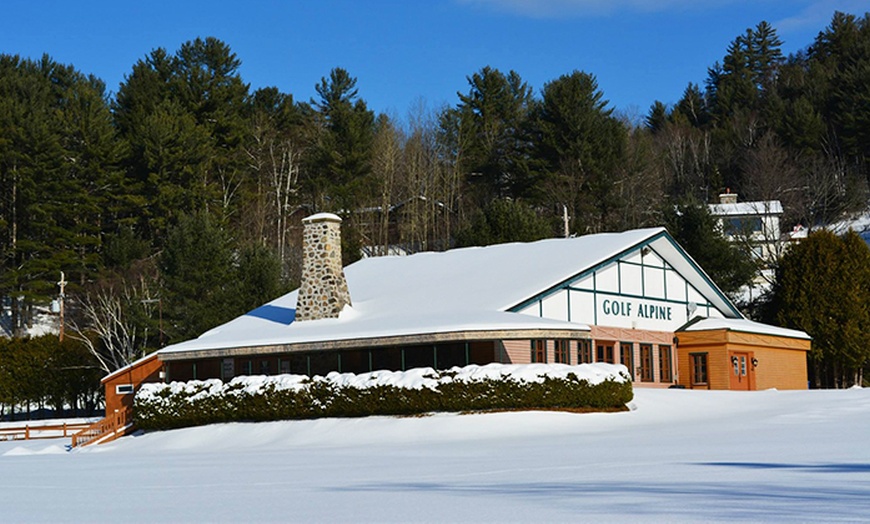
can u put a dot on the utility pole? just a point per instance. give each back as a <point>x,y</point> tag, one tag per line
<point>565,222</point>
<point>62,285</point>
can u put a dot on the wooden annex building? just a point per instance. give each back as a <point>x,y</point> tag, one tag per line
<point>634,298</point>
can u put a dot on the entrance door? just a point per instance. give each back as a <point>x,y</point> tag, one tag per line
<point>739,370</point>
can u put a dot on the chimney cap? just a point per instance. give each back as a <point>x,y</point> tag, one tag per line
<point>321,217</point>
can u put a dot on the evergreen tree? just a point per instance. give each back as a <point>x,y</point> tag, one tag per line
<point>842,52</point>
<point>340,161</point>
<point>504,220</point>
<point>657,117</point>
<point>692,107</point>
<point>171,153</point>
<point>57,159</point>
<point>198,280</point>
<point>823,287</point>
<point>183,119</point>
<point>748,72</point>
<point>580,144</point>
<point>697,231</point>
<point>259,277</point>
<point>492,121</point>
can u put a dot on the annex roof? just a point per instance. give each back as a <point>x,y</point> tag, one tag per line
<point>742,325</point>
<point>461,290</point>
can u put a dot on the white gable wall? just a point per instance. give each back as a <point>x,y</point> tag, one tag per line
<point>638,291</point>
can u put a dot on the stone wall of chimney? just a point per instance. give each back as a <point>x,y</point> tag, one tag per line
<point>728,198</point>
<point>324,292</point>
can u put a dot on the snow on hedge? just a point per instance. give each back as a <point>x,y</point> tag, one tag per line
<point>417,378</point>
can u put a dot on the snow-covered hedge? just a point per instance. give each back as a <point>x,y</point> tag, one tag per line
<point>416,391</point>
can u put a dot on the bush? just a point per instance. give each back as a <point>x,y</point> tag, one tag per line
<point>473,388</point>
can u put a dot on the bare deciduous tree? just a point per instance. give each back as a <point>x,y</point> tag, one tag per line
<point>109,328</point>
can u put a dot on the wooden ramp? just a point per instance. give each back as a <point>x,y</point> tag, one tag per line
<point>113,426</point>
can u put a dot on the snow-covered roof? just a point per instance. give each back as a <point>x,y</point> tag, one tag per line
<point>461,290</point>
<point>860,223</point>
<point>317,217</point>
<point>744,326</point>
<point>762,207</point>
<point>128,367</point>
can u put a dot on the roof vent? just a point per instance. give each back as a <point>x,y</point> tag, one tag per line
<point>323,293</point>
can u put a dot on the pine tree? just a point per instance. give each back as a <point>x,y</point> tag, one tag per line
<point>580,145</point>
<point>340,161</point>
<point>182,117</point>
<point>198,281</point>
<point>58,160</point>
<point>696,230</point>
<point>657,117</point>
<point>492,122</point>
<point>693,107</point>
<point>823,287</point>
<point>504,220</point>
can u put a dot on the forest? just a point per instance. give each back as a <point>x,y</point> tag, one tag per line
<point>175,203</point>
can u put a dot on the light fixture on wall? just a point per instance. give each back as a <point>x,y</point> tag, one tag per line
<point>644,251</point>
<point>754,362</point>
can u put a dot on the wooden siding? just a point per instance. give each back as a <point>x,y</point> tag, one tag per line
<point>518,351</point>
<point>781,369</point>
<point>138,373</point>
<point>782,361</point>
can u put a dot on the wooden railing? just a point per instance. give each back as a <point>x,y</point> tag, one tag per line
<point>31,432</point>
<point>115,425</point>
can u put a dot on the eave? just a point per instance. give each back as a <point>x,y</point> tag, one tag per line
<point>386,341</point>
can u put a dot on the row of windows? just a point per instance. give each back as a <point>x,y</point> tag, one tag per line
<point>440,356</point>
<point>605,352</point>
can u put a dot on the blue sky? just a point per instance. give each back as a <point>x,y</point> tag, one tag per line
<point>409,52</point>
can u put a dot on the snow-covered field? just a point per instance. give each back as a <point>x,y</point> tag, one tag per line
<point>677,456</point>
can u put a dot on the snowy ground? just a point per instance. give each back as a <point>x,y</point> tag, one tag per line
<point>678,456</point>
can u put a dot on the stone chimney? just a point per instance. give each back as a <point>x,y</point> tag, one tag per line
<point>728,197</point>
<point>323,293</point>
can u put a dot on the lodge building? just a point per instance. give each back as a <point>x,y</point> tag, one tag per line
<point>634,298</point>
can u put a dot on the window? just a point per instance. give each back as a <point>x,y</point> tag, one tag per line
<point>264,367</point>
<point>584,352</point>
<point>646,363</point>
<point>743,226</point>
<point>539,351</point>
<point>228,368</point>
<point>284,366</point>
<point>699,368</point>
<point>665,374</point>
<point>560,352</point>
<point>626,357</point>
<point>124,389</point>
<point>604,352</point>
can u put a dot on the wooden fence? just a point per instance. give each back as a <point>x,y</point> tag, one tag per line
<point>40,431</point>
